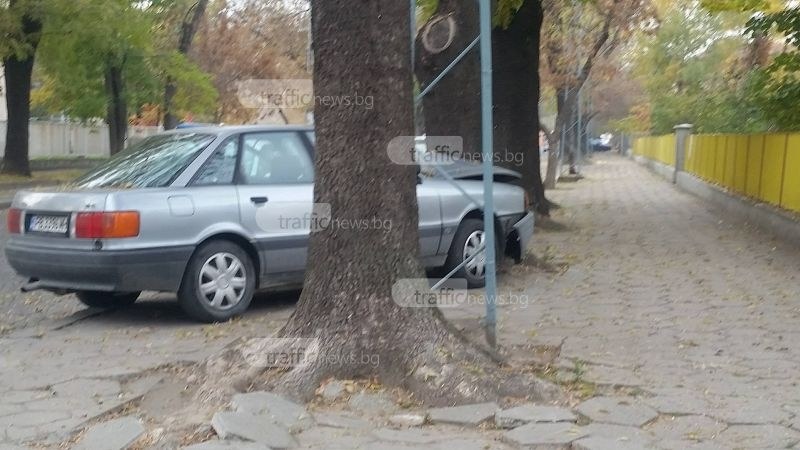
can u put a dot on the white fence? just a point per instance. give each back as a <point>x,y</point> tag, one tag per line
<point>72,140</point>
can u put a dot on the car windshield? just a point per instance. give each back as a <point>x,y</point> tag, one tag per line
<point>154,162</point>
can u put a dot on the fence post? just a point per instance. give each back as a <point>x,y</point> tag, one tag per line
<point>682,133</point>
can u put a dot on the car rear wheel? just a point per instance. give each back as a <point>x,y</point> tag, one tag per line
<point>219,282</point>
<point>467,241</point>
<point>106,300</point>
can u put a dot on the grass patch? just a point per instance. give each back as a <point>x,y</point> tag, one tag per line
<point>43,176</point>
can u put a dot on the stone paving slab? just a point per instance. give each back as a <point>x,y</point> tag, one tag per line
<point>468,415</point>
<point>617,410</point>
<point>601,443</point>
<point>616,432</point>
<point>245,426</point>
<point>333,438</point>
<point>690,428</point>
<point>530,413</point>
<point>277,408</point>
<point>226,445</point>
<point>759,436</point>
<point>341,420</point>
<point>546,436</point>
<point>116,434</point>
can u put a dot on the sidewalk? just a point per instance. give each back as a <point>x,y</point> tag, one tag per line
<point>669,304</point>
<point>678,330</point>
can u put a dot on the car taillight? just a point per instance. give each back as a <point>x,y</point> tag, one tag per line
<point>101,225</point>
<point>14,220</point>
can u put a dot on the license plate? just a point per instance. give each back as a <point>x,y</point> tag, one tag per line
<point>49,224</point>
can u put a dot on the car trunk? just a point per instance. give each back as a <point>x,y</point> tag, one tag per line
<point>49,215</point>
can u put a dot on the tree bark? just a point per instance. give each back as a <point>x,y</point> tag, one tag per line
<point>516,99</point>
<point>188,30</point>
<point>117,109</point>
<point>563,134</point>
<point>18,73</point>
<point>452,108</point>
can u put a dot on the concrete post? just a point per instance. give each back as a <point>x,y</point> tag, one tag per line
<point>682,133</point>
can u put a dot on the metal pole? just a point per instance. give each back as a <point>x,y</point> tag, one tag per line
<point>488,170</point>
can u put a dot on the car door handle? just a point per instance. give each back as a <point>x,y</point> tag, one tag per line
<point>259,200</point>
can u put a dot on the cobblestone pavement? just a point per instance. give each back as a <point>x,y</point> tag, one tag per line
<point>678,330</point>
<point>694,313</point>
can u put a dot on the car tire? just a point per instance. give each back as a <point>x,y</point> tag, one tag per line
<point>219,282</point>
<point>467,233</point>
<point>106,300</point>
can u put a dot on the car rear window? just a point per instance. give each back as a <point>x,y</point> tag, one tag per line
<point>154,162</point>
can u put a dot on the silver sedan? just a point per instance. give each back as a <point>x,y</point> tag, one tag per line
<point>215,214</point>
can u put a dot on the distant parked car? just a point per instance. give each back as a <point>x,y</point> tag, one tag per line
<point>182,212</point>
<point>598,145</point>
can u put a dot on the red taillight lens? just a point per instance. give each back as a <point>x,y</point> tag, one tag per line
<point>14,220</point>
<point>107,225</point>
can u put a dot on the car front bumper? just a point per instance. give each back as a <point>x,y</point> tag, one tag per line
<point>524,231</point>
<point>112,271</point>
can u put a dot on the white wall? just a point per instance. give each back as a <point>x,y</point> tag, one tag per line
<point>64,140</point>
<point>3,112</point>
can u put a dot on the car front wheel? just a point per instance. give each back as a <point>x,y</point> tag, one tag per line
<point>466,243</point>
<point>219,282</point>
<point>106,300</point>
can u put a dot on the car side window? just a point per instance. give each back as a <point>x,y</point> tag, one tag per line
<point>275,158</point>
<point>221,166</point>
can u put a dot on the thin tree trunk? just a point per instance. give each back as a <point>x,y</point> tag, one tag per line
<point>564,135</point>
<point>188,31</point>
<point>117,109</point>
<point>18,73</point>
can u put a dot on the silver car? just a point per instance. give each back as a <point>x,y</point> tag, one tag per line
<point>193,211</point>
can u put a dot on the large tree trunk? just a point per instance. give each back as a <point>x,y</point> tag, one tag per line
<point>18,72</point>
<point>362,283</point>
<point>516,99</point>
<point>452,108</point>
<point>188,30</point>
<point>116,110</point>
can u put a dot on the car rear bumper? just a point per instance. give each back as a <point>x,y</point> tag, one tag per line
<point>120,271</point>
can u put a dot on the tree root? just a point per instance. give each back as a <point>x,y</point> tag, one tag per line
<point>440,368</point>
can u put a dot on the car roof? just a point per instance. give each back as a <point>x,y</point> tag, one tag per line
<point>232,129</point>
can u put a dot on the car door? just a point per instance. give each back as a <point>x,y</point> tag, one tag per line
<point>275,192</point>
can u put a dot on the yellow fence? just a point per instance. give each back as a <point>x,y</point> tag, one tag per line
<point>765,167</point>
<point>658,148</point>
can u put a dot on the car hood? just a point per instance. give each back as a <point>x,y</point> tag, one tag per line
<point>466,170</point>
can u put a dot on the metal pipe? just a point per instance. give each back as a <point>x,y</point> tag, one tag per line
<point>460,266</point>
<point>447,69</point>
<point>487,134</point>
